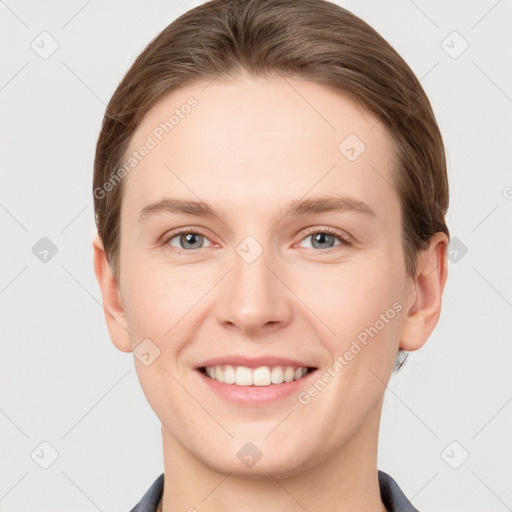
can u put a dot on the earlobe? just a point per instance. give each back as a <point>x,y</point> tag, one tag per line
<point>112,304</point>
<point>425,310</point>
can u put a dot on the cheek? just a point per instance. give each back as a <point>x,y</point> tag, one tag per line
<point>358,301</point>
<point>153,293</point>
<point>358,288</point>
<point>157,300</point>
<point>159,305</point>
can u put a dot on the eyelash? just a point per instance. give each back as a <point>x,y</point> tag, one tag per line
<point>344,239</point>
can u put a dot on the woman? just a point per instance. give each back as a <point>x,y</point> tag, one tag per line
<point>247,135</point>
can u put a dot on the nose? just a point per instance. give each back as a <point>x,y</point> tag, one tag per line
<point>254,296</point>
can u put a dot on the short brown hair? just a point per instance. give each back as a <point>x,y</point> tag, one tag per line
<point>314,39</point>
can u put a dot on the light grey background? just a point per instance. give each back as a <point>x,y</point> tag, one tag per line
<point>62,380</point>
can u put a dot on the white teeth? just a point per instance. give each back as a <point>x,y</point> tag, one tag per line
<point>261,376</point>
<point>277,375</point>
<point>229,374</point>
<point>243,376</point>
<point>219,375</point>
<point>288,374</point>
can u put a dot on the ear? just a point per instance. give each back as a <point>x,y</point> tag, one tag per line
<point>112,303</point>
<point>424,308</point>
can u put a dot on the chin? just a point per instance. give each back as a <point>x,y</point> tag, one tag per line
<point>251,463</point>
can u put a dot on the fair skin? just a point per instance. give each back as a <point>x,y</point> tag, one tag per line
<point>249,149</point>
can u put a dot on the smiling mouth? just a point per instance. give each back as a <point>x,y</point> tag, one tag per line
<point>261,376</point>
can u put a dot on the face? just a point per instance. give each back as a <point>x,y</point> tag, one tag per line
<point>299,263</point>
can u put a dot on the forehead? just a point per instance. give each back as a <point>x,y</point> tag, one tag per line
<point>250,140</point>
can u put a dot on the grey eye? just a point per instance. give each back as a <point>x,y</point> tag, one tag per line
<point>188,241</point>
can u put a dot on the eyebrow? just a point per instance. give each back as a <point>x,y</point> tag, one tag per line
<point>297,207</point>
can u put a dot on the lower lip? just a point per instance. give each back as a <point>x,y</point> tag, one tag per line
<point>254,395</point>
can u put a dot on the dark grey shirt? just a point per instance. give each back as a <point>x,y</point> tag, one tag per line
<point>392,496</point>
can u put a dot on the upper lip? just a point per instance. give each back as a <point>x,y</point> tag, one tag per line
<point>254,362</point>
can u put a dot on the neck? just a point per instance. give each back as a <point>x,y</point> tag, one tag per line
<point>346,480</point>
